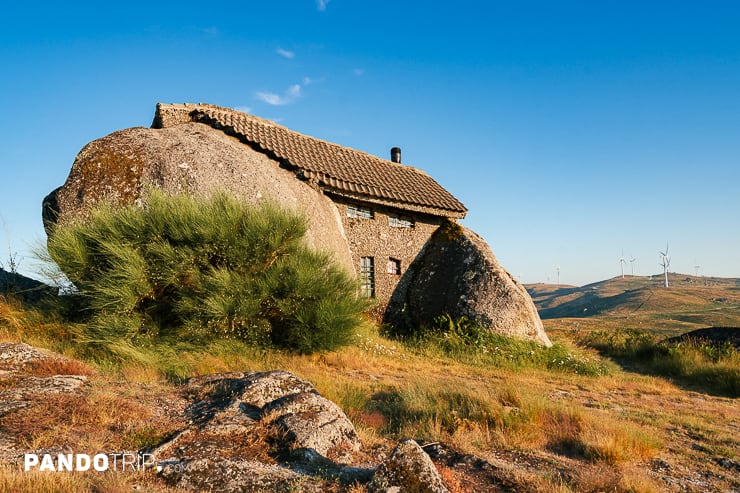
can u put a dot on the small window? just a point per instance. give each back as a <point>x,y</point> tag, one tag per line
<point>359,212</point>
<point>400,222</point>
<point>394,266</point>
<point>367,277</point>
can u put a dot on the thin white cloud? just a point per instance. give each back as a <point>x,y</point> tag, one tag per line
<point>321,4</point>
<point>290,95</point>
<point>358,71</point>
<point>243,109</point>
<point>285,53</point>
<point>272,99</point>
<point>307,81</point>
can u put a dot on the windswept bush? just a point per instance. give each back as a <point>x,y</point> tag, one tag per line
<point>184,269</point>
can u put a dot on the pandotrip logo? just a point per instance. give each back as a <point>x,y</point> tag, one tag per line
<point>119,462</point>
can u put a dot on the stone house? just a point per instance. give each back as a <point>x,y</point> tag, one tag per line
<point>391,224</point>
<point>388,210</point>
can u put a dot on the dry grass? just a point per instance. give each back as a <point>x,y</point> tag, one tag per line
<point>533,424</point>
<point>98,421</point>
<point>15,480</point>
<point>48,367</point>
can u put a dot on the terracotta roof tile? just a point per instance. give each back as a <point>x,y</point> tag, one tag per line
<point>336,169</point>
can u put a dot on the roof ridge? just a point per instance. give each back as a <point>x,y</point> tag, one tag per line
<point>264,121</point>
<point>332,165</point>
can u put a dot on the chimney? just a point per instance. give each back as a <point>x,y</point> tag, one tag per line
<point>396,155</point>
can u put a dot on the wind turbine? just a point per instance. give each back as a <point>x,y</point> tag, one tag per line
<point>622,262</point>
<point>558,269</point>
<point>696,268</point>
<point>632,265</point>
<point>665,262</point>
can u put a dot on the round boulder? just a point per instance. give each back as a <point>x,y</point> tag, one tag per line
<point>458,275</point>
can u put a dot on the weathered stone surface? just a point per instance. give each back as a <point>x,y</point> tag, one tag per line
<point>312,424</point>
<point>56,384</point>
<point>196,159</point>
<point>14,354</point>
<point>284,409</point>
<point>267,387</point>
<point>229,476</point>
<point>242,420</point>
<point>410,470</point>
<point>19,388</point>
<point>458,274</point>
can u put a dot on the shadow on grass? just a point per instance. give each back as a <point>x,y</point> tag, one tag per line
<point>698,364</point>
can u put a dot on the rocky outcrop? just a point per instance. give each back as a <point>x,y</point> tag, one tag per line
<point>408,469</point>
<point>196,159</point>
<point>312,425</point>
<point>272,431</point>
<point>28,374</point>
<point>457,274</point>
<point>258,432</point>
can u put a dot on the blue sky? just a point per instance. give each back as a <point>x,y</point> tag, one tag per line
<point>571,130</point>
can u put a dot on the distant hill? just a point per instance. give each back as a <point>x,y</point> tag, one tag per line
<point>699,300</point>
<point>19,286</point>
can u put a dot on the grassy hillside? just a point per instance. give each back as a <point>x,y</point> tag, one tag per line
<point>639,302</point>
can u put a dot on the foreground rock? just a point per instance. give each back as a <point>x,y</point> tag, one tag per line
<point>409,469</point>
<point>272,431</point>
<point>27,374</point>
<point>457,274</point>
<point>259,432</point>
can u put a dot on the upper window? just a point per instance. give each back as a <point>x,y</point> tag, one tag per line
<point>400,222</point>
<point>394,266</point>
<point>359,212</point>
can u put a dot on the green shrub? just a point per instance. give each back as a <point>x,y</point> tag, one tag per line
<point>190,270</point>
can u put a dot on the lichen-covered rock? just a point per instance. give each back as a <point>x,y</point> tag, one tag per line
<point>16,354</point>
<point>409,470</point>
<point>231,476</point>
<point>457,274</point>
<point>241,415</point>
<point>264,388</point>
<point>312,424</point>
<point>191,158</point>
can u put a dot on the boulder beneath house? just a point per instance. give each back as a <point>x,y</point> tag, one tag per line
<point>190,158</point>
<point>457,274</point>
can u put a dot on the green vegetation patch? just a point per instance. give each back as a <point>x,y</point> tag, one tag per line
<point>467,342</point>
<point>708,366</point>
<point>188,271</point>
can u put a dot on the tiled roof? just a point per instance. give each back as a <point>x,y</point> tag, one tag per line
<point>334,168</point>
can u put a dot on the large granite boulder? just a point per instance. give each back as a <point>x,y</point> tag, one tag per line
<point>191,158</point>
<point>457,274</point>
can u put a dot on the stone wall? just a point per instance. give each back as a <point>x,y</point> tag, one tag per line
<point>376,238</point>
